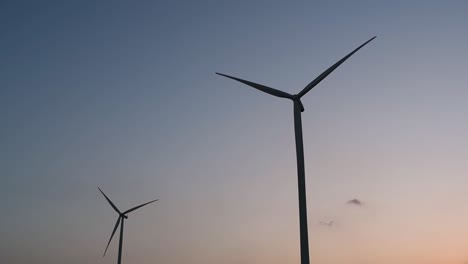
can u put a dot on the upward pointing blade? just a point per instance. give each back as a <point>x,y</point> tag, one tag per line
<point>110,202</point>
<point>330,70</point>
<point>260,87</point>
<point>113,232</point>
<point>136,207</point>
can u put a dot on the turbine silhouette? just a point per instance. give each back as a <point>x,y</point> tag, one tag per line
<point>298,109</point>
<point>120,221</point>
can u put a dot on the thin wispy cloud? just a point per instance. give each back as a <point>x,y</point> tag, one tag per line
<point>327,223</point>
<point>355,202</point>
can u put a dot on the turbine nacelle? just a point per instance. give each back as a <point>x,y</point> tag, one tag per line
<point>297,100</point>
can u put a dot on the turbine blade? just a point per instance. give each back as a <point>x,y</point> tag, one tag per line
<point>136,207</point>
<point>110,202</point>
<point>260,87</point>
<point>330,70</point>
<point>113,232</point>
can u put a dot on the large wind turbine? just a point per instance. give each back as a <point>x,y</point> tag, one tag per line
<point>298,109</point>
<point>120,221</point>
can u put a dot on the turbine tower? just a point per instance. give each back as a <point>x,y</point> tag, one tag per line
<point>298,109</point>
<point>120,221</point>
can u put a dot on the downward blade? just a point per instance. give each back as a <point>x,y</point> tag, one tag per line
<point>260,87</point>
<point>110,202</point>
<point>113,232</point>
<point>139,206</point>
<point>330,70</point>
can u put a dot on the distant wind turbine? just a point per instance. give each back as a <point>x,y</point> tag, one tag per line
<point>298,109</point>
<point>120,221</point>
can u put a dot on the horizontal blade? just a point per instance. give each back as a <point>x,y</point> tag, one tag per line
<point>110,202</point>
<point>113,232</point>
<point>260,87</point>
<point>330,70</point>
<point>136,207</point>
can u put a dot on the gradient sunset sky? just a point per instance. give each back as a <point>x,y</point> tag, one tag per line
<point>123,95</point>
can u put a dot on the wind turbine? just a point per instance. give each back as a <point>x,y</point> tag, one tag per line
<point>298,109</point>
<point>120,221</point>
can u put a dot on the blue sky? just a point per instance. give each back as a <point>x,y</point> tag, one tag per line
<point>123,95</point>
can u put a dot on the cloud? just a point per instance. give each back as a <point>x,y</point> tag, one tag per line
<point>328,224</point>
<point>355,202</point>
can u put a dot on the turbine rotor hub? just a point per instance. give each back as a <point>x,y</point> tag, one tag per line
<point>297,99</point>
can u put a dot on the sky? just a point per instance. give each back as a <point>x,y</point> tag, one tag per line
<point>123,95</point>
